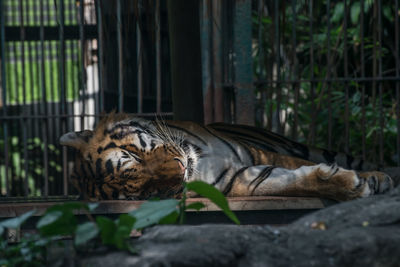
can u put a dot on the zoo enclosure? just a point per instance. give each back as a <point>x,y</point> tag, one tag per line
<point>57,77</point>
<point>325,73</point>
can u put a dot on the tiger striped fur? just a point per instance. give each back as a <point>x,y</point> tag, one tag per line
<point>132,158</point>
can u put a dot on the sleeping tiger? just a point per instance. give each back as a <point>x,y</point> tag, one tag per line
<point>127,157</point>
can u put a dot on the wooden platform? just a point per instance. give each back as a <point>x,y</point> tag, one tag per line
<point>253,210</point>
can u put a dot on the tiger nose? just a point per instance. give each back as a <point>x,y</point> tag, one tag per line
<point>183,169</point>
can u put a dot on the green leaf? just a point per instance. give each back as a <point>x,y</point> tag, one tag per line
<point>17,221</point>
<point>195,206</point>
<point>120,237</point>
<point>214,195</point>
<point>107,229</point>
<point>338,12</point>
<point>60,219</point>
<point>355,12</point>
<point>126,220</point>
<point>57,223</point>
<point>151,212</point>
<point>85,232</point>
<point>49,218</point>
<point>115,233</point>
<point>388,12</point>
<point>170,219</point>
<point>92,206</point>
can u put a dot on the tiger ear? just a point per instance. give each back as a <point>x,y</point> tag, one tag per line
<point>76,139</point>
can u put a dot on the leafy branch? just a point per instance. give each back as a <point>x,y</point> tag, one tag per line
<point>59,221</point>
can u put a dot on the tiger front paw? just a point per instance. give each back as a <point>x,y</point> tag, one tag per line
<point>376,183</point>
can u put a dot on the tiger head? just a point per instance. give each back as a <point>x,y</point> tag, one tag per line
<point>128,158</point>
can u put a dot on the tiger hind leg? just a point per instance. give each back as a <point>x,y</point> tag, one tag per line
<point>322,180</point>
<point>349,184</point>
<point>378,182</point>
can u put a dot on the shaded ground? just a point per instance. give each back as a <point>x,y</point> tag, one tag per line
<point>365,232</point>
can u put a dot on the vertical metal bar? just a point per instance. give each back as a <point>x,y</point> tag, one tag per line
<point>82,59</point>
<point>346,86</point>
<point>311,138</point>
<point>4,96</point>
<point>374,153</point>
<point>381,118</point>
<point>228,62</point>
<point>100,53</point>
<point>328,73</point>
<point>243,62</point>
<point>13,99</point>
<point>139,57</point>
<point>278,67</point>
<point>120,58</point>
<point>50,57</point>
<point>33,107</point>
<point>61,78</point>
<point>216,50</point>
<point>260,42</point>
<point>14,46</point>
<point>261,61</point>
<point>52,84</point>
<point>72,47</point>
<point>363,122</point>
<point>158,55</point>
<point>295,86</point>
<point>16,178</point>
<point>24,119</point>
<point>44,105</point>
<point>19,184</point>
<point>396,34</point>
<point>206,57</point>
<point>211,68</point>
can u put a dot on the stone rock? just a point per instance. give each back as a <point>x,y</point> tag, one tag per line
<point>364,232</point>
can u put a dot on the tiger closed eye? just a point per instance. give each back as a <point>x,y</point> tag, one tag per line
<point>136,157</point>
<point>180,161</point>
<point>181,165</point>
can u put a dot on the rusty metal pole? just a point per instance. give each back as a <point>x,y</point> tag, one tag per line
<point>211,56</point>
<point>243,71</point>
<point>217,61</point>
<point>207,68</point>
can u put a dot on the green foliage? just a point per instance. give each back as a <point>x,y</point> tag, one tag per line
<point>59,221</point>
<point>214,195</point>
<point>35,148</point>
<point>85,232</point>
<point>319,101</point>
<point>29,251</point>
<point>15,222</point>
<point>151,212</point>
<point>115,233</point>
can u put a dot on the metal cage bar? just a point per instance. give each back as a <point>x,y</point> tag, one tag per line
<point>4,99</point>
<point>397,51</point>
<point>361,83</point>
<point>120,58</point>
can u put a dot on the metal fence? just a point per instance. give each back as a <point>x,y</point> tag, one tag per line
<point>325,73</point>
<point>63,64</point>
